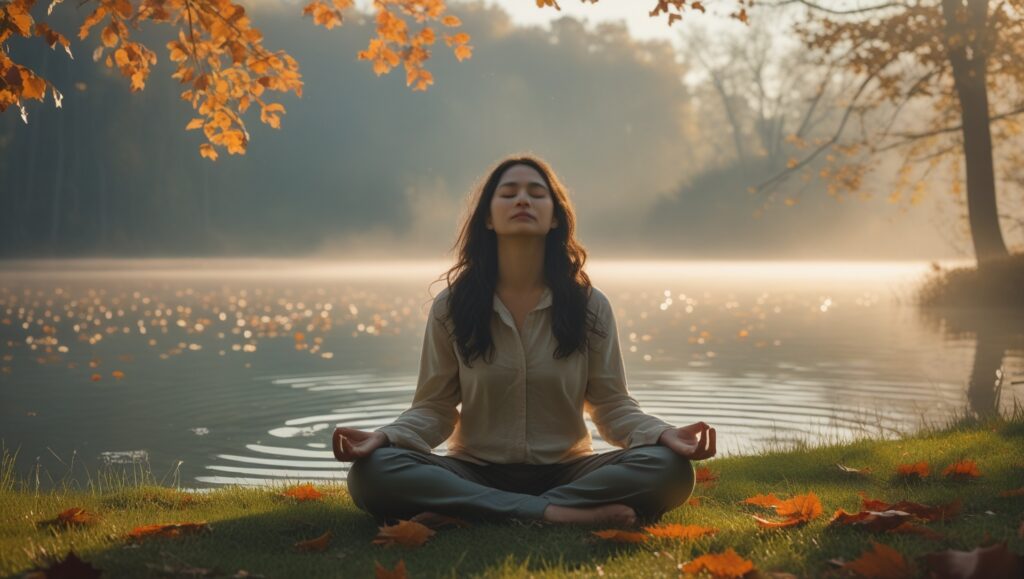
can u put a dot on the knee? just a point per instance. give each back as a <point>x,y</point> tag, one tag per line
<point>675,473</point>
<point>368,475</point>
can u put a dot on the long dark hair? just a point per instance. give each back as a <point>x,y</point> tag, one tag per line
<point>473,279</point>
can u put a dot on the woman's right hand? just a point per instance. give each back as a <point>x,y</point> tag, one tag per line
<point>350,444</point>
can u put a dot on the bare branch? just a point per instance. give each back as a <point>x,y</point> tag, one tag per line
<point>820,8</point>
<point>911,137</point>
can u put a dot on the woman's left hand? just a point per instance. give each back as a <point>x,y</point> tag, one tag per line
<point>695,442</point>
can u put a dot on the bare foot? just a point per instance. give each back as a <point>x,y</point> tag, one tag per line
<point>614,514</point>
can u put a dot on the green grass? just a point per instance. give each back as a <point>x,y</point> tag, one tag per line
<point>254,529</point>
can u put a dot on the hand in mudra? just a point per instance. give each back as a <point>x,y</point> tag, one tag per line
<point>350,444</point>
<point>695,442</point>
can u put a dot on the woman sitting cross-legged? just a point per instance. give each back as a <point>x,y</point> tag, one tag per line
<point>526,344</point>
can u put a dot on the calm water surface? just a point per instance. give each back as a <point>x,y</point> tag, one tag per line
<point>235,372</point>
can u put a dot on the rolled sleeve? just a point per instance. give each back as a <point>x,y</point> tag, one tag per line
<point>617,415</point>
<point>433,415</point>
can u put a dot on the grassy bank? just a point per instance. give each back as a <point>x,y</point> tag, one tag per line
<point>996,285</point>
<point>255,530</point>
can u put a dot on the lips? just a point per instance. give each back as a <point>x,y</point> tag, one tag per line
<point>522,214</point>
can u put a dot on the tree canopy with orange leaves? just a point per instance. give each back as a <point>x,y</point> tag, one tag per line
<point>953,64</point>
<point>220,57</point>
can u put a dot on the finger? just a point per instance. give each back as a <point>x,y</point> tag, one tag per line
<point>336,446</point>
<point>712,448</point>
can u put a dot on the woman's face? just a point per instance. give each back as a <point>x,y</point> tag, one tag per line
<point>522,204</point>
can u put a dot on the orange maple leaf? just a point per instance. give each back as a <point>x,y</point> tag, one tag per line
<point>73,516</point>
<point>796,510</point>
<point>167,530</point>
<point>677,531</point>
<point>383,573</point>
<point>621,536</point>
<point>727,564</point>
<point>303,492</point>
<point>317,544</point>
<point>917,469</point>
<point>927,512</point>
<point>881,561</point>
<point>405,533</point>
<point>963,469</point>
<point>705,476</point>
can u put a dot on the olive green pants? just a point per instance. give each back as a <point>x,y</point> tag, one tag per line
<point>396,483</point>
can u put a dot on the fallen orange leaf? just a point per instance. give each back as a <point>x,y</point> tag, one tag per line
<point>912,529</point>
<point>926,512</point>
<point>621,536</point>
<point>1013,493</point>
<point>303,492</point>
<point>963,469</point>
<point>727,564</point>
<point>168,530</point>
<point>871,520</point>
<point>74,516</point>
<point>383,573</point>
<point>705,476</point>
<point>677,531</point>
<point>918,469</point>
<point>693,501</point>
<point>769,500</point>
<point>405,533</point>
<point>317,544</point>
<point>882,562</point>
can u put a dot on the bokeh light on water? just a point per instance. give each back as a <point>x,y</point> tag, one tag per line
<point>240,370</point>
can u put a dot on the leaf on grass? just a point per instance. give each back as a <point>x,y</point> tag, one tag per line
<point>677,531</point>
<point>993,562</point>
<point>912,529</point>
<point>405,533</point>
<point>727,564</point>
<point>881,562</point>
<point>851,470</point>
<point>1013,493</point>
<point>318,544</point>
<point>705,476</point>
<point>71,566</point>
<point>769,500</point>
<point>876,521</point>
<point>693,501</point>
<point>964,469</point>
<point>303,492</point>
<point>769,524</point>
<point>621,536</point>
<point>921,511</point>
<point>915,470</point>
<point>73,516</point>
<point>168,530</point>
<point>397,573</point>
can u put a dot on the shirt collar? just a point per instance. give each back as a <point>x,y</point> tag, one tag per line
<point>545,301</point>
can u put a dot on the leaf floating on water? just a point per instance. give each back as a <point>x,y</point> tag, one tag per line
<point>383,573</point>
<point>882,562</point>
<point>726,564</point>
<point>964,469</point>
<point>620,536</point>
<point>405,533</point>
<point>995,562</point>
<point>318,544</point>
<point>117,374</point>
<point>303,492</point>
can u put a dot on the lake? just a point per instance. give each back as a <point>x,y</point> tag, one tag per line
<point>225,371</point>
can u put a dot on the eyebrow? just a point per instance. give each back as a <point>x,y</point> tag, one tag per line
<point>528,182</point>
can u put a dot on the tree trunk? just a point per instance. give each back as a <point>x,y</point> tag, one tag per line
<point>968,41</point>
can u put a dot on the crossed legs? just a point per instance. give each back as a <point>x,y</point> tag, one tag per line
<point>647,480</point>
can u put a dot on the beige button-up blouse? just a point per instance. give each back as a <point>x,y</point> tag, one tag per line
<point>525,407</point>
